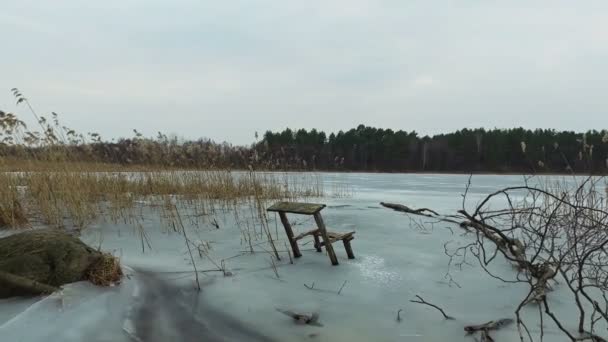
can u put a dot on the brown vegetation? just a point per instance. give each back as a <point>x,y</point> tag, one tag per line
<point>55,177</point>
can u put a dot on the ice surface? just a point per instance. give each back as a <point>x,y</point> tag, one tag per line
<point>395,260</point>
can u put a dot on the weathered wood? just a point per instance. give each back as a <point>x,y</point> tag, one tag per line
<point>491,325</point>
<point>305,234</point>
<point>290,237</point>
<point>297,208</point>
<point>328,247</point>
<point>406,209</point>
<point>317,243</point>
<point>340,236</point>
<point>328,237</point>
<point>302,318</point>
<point>334,237</point>
<point>348,248</point>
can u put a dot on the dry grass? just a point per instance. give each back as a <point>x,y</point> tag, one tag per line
<point>52,176</point>
<point>106,271</point>
<point>77,198</point>
<point>58,178</point>
<point>12,213</point>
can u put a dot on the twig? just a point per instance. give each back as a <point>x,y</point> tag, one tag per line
<point>198,284</point>
<point>341,287</point>
<point>422,301</point>
<point>274,267</point>
<point>288,253</point>
<point>310,287</point>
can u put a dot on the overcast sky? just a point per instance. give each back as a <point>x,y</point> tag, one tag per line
<point>225,69</point>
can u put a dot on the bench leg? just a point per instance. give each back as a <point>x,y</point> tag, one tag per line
<point>328,247</point>
<point>317,243</point>
<point>348,248</point>
<point>290,237</point>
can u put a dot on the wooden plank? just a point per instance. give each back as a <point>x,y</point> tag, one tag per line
<point>328,247</point>
<point>289,232</point>
<point>305,234</point>
<point>297,208</point>
<point>334,236</point>
<point>340,236</point>
<point>332,240</point>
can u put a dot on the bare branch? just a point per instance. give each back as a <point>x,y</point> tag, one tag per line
<point>422,301</point>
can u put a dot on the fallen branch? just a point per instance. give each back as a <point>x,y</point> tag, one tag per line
<point>406,209</point>
<point>491,325</point>
<point>485,328</point>
<point>302,318</point>
<point>587,336</point>
<point>512,249</point>
<point>422,301</point>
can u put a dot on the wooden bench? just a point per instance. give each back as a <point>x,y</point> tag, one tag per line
<point>319,233</point>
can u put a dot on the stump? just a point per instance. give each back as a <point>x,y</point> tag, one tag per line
<point>40,261</point>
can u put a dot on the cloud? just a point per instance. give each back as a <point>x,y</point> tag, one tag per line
<point>423,81</point>
<point>225,70</point>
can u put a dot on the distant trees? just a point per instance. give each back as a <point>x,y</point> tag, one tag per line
<point>363,148</point>
<point>468,150</point>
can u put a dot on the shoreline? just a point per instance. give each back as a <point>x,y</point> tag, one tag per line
<point>480,173</point>
<point>76,166</point>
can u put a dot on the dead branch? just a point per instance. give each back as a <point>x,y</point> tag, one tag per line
<point>491,325</point>
<point>405,209</point>
<point>420,300</point>
<point>557,228</point>
<point>485,328</point>
<point>302,318</point>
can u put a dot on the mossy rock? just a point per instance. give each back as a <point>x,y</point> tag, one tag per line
<point>49,257</point>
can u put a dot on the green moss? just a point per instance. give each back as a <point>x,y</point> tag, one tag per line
<point>46,256</point>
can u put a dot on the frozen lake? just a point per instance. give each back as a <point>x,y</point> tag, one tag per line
<point>396,259</point>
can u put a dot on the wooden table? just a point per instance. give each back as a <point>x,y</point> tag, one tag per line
<point>321,231</point>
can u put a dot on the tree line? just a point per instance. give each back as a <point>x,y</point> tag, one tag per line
<point>363,148</point>
<point>367,148</point>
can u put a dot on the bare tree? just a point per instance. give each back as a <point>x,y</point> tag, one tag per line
<point>554,233</point>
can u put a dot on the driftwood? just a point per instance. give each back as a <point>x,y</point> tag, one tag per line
<point>302,318</point>
<point>40,261</point>
<point>406,209</point>
<point>485,328</point>
<point>491,325</point>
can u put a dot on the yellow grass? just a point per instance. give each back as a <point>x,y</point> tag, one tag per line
<point>77,196</point>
